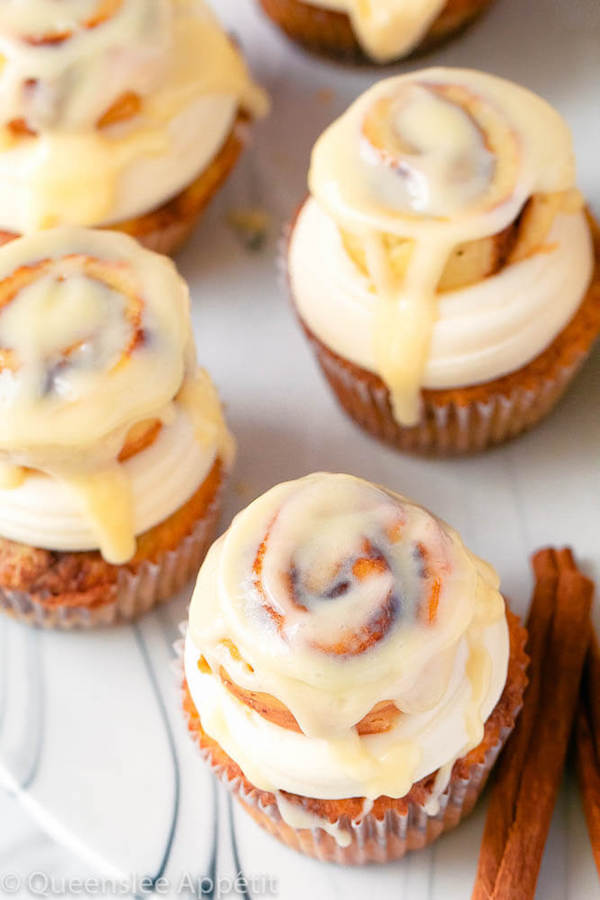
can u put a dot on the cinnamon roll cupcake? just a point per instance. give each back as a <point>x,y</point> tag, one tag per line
<point>113,447</point>
<point>444,269</point>
<point>351,669</point>
<point>381,31</point>
<point>119,113</point>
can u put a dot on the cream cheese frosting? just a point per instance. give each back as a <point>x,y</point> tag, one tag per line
<point>331,595</point>
<point>481,332</point>
<point>111,180</point>
<point>63,165</point>
<point>387,29</point>
<point>41,511</point>
<point>436,159</point>
<point>95,340</point>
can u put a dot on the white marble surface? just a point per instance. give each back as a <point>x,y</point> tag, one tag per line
<point>90,723</point>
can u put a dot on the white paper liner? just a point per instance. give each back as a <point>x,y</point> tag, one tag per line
<point>372,839</point>
<point>133,594</point>
<point>449,428</point>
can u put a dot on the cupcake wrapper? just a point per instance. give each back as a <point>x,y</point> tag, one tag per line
<point>373,839</point>
<point>446,428</point>
<point>133,594</point>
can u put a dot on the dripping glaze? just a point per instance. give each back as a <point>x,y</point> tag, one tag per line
<point>87,319</point>
<point>387,29</point>
<point>381,169</point>
<point>360,596</point>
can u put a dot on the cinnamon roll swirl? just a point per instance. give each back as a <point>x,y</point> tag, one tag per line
<point>443,267</point>
<point>105,469</point>
<point>117,112</point>
<point>343,643</point>
<point>378,32</point>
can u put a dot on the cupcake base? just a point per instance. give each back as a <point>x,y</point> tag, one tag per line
<point>329,33</point>
<point>470,419</point>
<point>80,590</point>
<point>166,228</point>
<point>391,827</point>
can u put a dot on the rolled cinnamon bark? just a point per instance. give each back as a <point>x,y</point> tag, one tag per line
<point>529,773</point>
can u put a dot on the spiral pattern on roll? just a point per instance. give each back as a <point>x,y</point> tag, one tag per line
<point>335,608</point>
<point>86,320</point>
<point>343,596</point>
<point>110,276</point>
<point>443,149</point>
<point>474,167</point>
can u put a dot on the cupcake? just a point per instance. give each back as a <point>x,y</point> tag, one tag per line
<point>443,267</point>
<point>118,113</point>
<point>113,447</point>
<point>351,670</point>
<point>377,32</point>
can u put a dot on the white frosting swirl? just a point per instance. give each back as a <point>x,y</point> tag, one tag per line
<point>337,595</point>
<point>481,332</point>
<point>277,759</point>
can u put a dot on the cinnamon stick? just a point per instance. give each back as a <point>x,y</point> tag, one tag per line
<point>587,747</point>
<point>502,802</point>
<point>524,794</point>
<point>591,692</point>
